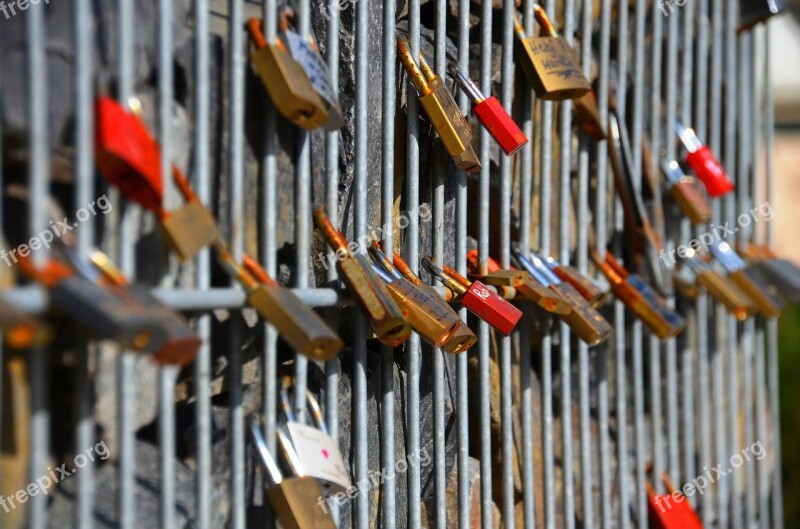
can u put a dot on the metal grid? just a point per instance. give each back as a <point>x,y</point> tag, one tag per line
<point>718,371</point>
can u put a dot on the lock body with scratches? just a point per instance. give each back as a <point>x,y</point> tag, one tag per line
<point>686,194</point>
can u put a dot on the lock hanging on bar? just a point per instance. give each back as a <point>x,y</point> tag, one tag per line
<point>722,289</point>
<point>463,338</point>
<point>686,194</point>
<point>754,12</point>
<point>549,62</point>
<point>286,81</point>
<point>492,115</point>
<point>768,302</point>
<point>385,316</point>
<point>306,53</point>
<point>318,453</point>
<point>442,110</point>
<point>703,162</point>
<point>302,328</point>
<point>595,295</point>
<point>521,281</point>
<point>585,321</point>
<point>436,323</point>
<point>476,297</point>
<point>294,499</point>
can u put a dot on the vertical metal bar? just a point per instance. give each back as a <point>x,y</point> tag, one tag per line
<point>506,402</point>
<point>202,363</point>
<point>601,215</point>
<point>83,26</point>
<point>545,196</point>
<point>38,181</point>
<point>236,161</point>
<point>462,374</point>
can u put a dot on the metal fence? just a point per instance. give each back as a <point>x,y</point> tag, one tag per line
<point>589,419</point>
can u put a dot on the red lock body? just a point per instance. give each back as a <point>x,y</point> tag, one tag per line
<point>126,154</point>
<point>500,125</point>
<point>667,512</point>
<point>491,308</point>
<point>708,169</point>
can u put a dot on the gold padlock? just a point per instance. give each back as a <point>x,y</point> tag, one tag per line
<point>549,63</point>
<point>385,316</point>
<point>286,81</point>
<point>769,303</point>
<point>300,326</point>
<point>686,194</point>
<point>722,289</point>
<point>589,117</point>
<point>528,288</point>
<point>192,227</point>
<point>441,108</point>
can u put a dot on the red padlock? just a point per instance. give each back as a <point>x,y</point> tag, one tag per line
<point>477,297</point>
<point>126,154</point>
<point>704,164</point>
<point>492,115</point>
<point>671,511</point>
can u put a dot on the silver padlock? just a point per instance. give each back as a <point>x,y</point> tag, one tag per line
<point>318,454</point>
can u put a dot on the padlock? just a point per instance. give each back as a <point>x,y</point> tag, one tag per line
<point>638,303</point>
<point>20,330</point>
<point>768,301</point>
<point>589,118</point>
<point>671,510</point>
<point>192,227</point>
<point>722,289</point>
<point>126,154</point>
<point>295,500</point>
<point>753,12</point>
<point>784,275</point>
<point>585,286</point>
<point>463,338</point>
<point>318,454</point>
<point>442,110</point>
<point>704,164</point>
<point>477,298</point>
<point>673,320</point>
<point>523,283</point>
<point>385,316</point>
<point>492,115</point>
<point>585,321</point>
<point>302,328</point>
<point>180,343</point>
<point>285,80</point>
<point>549,63</point>
<point>106,313</point>
<point>686,194</point>
<point>435,323</point>
<point>306,53</point>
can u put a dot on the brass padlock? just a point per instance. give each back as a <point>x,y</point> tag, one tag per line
<point>192,227</point>
<point>589,117</point>
<point>753,12</point>
<point>722,289</point>
<point>595,295</point>
<point>686,194</point>
<point>769,303</point>
<point>285,80</point>
<point>442,110</point>
<point>385,316</point>
<point>549,63</point>
<point>298,502</point>
<point>301,327</point>
<point>435,323</point>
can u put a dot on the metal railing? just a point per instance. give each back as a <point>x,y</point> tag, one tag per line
<point>677,405</point>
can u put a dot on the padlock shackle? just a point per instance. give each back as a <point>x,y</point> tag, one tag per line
<point>311,404</point>
<point>265,457</point>
<point>455,276</point>
<point>446,280</point>
<point>727,256</point>
<point>611,274</point>
<point>526,264</point>
<point>539,264</point>
<point>546,25</point>
<point>255,269</point>
<point>381,259</point>
<point>107,268</point>
<point>427,71</point>
<point>412,68</point>
<point>399,263</point>
<point>618,268</point>
<point>467,85</point>
<point>688,137</point>
<point>50,274</point>
<point>672,170</point>
<point>256,33</point>
<point>334,237</point>
<point>288,451</point>
<point>230,265</point>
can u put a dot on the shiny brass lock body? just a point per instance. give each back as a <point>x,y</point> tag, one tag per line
<point>586,322</point>
<point>550,63</point>
<point>585,287</point>
<point>425,316</point>
<point>190,229</point>
<point>527,287</point>
<point>294,501</point>
<point>691,201</point>
<point>300,326</point>
<point>461,340</point>
<point>770,305</point>
<point>725,291</point>
<point>286,81</point>
<point>589,117</point>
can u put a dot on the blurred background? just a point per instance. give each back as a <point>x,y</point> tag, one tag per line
<point>784,54</point>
